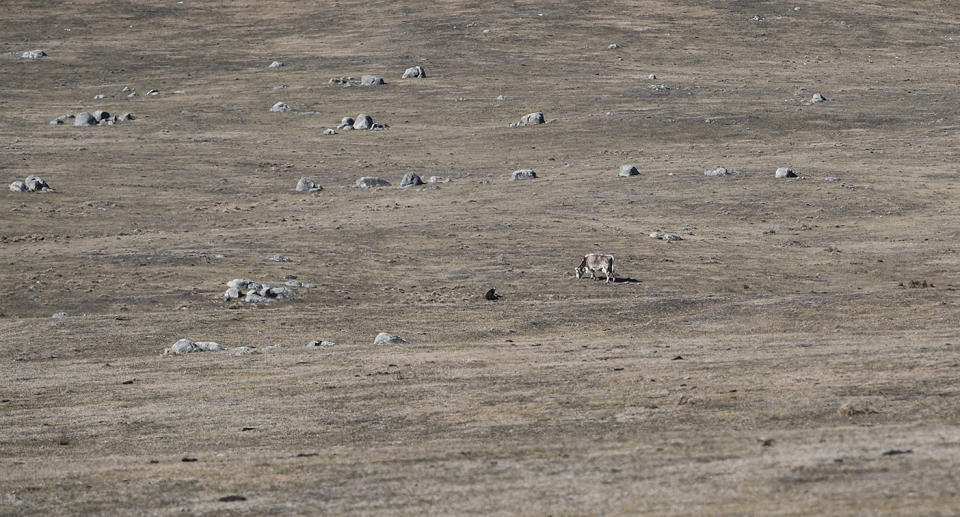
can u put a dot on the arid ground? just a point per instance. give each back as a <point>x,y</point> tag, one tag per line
<point>797,353</point>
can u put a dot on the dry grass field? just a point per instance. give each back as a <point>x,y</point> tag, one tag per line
<point>797,353</point>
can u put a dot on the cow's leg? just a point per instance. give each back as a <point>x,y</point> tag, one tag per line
<point>607,272</point>
<point>593,274</point>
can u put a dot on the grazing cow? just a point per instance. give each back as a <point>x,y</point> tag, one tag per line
<point>596,262</point>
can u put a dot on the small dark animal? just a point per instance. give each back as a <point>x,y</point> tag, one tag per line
<point>492,295</point>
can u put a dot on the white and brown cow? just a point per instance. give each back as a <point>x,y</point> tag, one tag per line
<point>596,262</point>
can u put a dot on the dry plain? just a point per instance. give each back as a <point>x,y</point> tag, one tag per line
<point>797,353</point>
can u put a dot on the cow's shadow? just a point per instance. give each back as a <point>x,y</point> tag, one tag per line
<point>625,280</point>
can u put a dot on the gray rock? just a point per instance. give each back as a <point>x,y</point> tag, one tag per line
<point>340,80</point>
<point>308,286</point>
<point>784,172</point>
<point>98,96</point>
<point>293,283</point>
<point>253,297</point>
<point>371,80</point>
<point>242,350</point>
<point>410,179</point>
<point>329,131</point>
<point>279,87</point>
<point>281,293</point>
<point>321,344</point>
<point>363,121</point>
<point>126,116</point>
<point>671,237</point>
<point>185,346</point>
<point>414,72</point>
<point>278,346</point>
<point>231,294</point>
<point>501,97</point>
<point>628,170</point>
<point>523,174</point>
<point>346,122</point>
<point>280,107</point>
<point>131,95</point>
<point>438,179</point>
<point>817,98</point>
<point>36,184</point>
<point>276,64</point>
<point>652,76</point>
<point>125,89</point>
<point>719,171</point>
<point>429,187</point>
<point>18,186</point>
<point>60,315</point>
<point>831,179</point>
<point>243,284</point>
<point>372,182</point>
<point>33,54</point>
<point>153,92</point>
<point>101,115</point>
<point>613,46</point>
<point>531,119</point>
<point>385,338</point>
<point>280,258</point>
<point>85,119</point>
<point>308,185</point>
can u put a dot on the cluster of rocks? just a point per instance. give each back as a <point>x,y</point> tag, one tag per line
<point>33,54</point>
<point>185,346</point>
<point>31,184</point>
<point>97,118</point>
<point>719,171</point>
<point>414,72</point>
<point>363,121</point>
<point>308,185</point>
<point>523,174</point>
<point>781,172</point>
<point>669,237</point>
<point>365,80</point>
<point>254,292</point>
<point>530,119</point>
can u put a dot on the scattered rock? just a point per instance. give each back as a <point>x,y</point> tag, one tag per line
<point>126,116</point>
<point>346,122</point>
<point>329,131</point>
<point>232,293</point>
<point>101,115</point>
<point>308,185</point>
<point>817,98</point>
<point>60,315</point>
<point>501,97</point>
<point>321,344</point>
<point>719,171</point>
<point>371,80</point>
<point>18,186</point>
<point>385,338</point>
<point>530,119</point>
<point>428,187</point>
<point>293,283</point>
<point>85,119</point>
<point>831,179</point>
<point>280,258</point>
<point>280,107</point>
<point>372,182</point>
<point>784,172</point>
<point>242,350</point>
<point>414,72</point>
<point>523,174</point>
<point>98,96</point>
<point>33,54</point>
<point>666,236</point>
<point>185,346</point>
<point>652,76</point>
<point>628,170</point>
<point>437,179</point>
<point>153,92</point>
<point>243,284</point>
<point>61,119</point>
<point>363,121</point>
<point>269,348</point>
<point>32,183</point>
<point>850,409</point>
<point>276,64</point>
<point>410,179</point>
<point>613,46</point>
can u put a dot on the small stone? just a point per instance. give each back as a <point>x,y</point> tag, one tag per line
<point>281,293</point>
<point>33,54</point>
<point>308,185</point>
<point>125,89</point>
<point>179,92</point>
<point>372,182</point>
<point>817,98</point>
<point>363,121</point>
<point>98,96</point>
<point>126,116</point>
<point>329,131</point>
<point>279,87</point>
<point>321,344</point>
<point>385,338</point>
<point>655,235</point>
<point>280,107</point>
<point>652,76</point>
<point>414,72</point>
<point>410,179</point>
<point>523,174</point>
<point>60,315</point>
<point>231,294</point>
<point>280,258</point>
<point>253,297</point>
<point>429,187</point>
<point>278,346</point>
<point>18,186</point>
<point>153,92</point>
<point>613,46</point>
<point>85,119</point>
<point>242,350</point>
<point>276,64</point>
<point>293,283</point>
<point>784,172</point>
<point>628,170</point>
<point>131,94</point>
<point>371,80</point>
<point>501,97</point>
<point>671,237</point>
<point>831,179</point>
<point>531,119</point>
<point>346,122</point>
<point>719,171</point>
